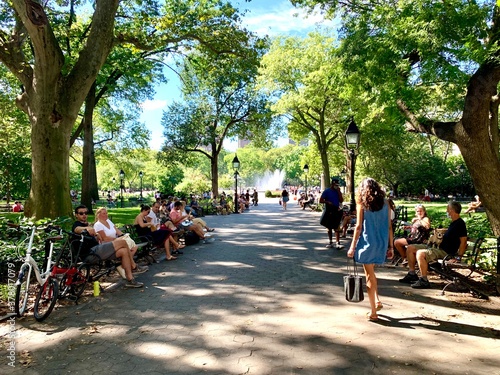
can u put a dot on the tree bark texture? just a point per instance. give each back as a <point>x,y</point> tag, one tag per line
<point>89,174</point>
<point>214,167</point>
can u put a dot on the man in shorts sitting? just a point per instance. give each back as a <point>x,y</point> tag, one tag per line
<point>108,250</point>
<point>454,242</point>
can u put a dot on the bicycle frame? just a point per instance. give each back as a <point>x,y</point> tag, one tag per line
<point>31,263</point>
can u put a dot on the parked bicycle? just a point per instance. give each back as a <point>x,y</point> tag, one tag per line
<point>72,274</point>
<point>32,280</point>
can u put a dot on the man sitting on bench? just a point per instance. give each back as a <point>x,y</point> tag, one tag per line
<point>454,242</point>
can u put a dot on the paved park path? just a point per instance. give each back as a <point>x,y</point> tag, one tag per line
<point>265,298</point>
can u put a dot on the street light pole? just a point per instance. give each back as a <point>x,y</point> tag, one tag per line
<point>306,171</point>
<point>122,177</point>
<point>461,169</point>
<point>236,166</point>
<point>140,176</point>
<point>352,136</point>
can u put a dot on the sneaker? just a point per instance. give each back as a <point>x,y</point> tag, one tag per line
<point>329,246</point>
<point>208,240</point>
<point>421,284</point>
<point>338,246</point>
<point>121,271</point>
<point>140,269</point>
<point>133,283</point>
<point>409,278</point>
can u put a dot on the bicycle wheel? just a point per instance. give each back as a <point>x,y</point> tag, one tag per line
<point>45,299</point>
<point>25,289</point>
<point>79,279</point>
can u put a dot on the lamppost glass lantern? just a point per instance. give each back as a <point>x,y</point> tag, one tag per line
<point>352,138</point>
<point>122,177</point>
<point>306,171</point>
<point>236,166</point>
<point>140,176</point>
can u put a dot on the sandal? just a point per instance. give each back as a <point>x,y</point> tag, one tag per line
<point>379,306</point>
<point>181,246</point>
<point>371,318</point>
<point>171,258</point>
<point>210,230</point>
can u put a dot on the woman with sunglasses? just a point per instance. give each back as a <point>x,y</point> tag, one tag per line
<point>419,231</point>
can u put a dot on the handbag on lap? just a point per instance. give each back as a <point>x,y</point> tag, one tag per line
<point>353,283</point>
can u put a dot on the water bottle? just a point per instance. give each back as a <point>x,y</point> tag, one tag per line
<point>97,288</point>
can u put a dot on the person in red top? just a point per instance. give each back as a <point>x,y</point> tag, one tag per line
<point>17,207</point>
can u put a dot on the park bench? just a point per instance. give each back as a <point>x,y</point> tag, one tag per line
<point>5,208</point>
<point>460,272</point>
<point>144,244</point>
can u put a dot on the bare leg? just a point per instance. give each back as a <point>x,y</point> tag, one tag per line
<point>411,255</point>
<point>400,245</point>
<point>167,251</point>
<point>175,244</point>
<point>330,236</point>
<point>422,263</point>
<point>198,230</point>
<point>372,288</point>
<point>337,236</point>
<point>124,253</point>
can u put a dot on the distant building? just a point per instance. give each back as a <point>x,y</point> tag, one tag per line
<point>243,142</point>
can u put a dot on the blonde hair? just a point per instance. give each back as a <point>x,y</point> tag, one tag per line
<point>97,213</point>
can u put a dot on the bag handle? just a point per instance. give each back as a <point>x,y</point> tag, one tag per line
<point>354,267</point>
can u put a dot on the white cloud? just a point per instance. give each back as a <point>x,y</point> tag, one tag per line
<point>283,19</point>
<point>151,105</point>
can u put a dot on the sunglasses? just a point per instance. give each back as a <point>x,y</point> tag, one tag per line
<point>82,213</point>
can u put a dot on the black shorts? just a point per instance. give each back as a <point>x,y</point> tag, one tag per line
<point>331,217</point>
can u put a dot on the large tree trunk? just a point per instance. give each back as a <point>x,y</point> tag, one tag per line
<point>477,136</point>
<point>49,195</point>
<point>89,173</point>
<point>214,167</point>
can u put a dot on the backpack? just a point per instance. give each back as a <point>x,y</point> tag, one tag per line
<point>191,238</point>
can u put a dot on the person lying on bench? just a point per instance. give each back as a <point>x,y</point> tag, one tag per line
<point>454,242</point>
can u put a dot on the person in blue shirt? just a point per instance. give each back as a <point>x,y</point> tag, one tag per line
<point>332,213</point>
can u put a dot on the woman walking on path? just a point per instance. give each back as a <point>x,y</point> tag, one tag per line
<point>372,236</point>
<point>285,198</point>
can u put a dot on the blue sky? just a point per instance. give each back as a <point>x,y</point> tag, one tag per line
<point>265,17</point>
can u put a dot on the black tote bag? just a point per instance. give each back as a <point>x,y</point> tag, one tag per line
<point>353,283</point>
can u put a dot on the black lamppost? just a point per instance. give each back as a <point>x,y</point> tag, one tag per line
<point>140,176</point>
<point>352,136</point>
<point>236,166</point>
<point>122,177</point>
<point>306,171</point>
<point>461,169</point>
